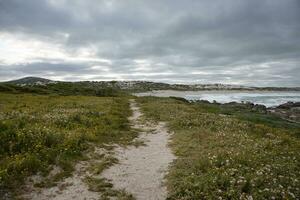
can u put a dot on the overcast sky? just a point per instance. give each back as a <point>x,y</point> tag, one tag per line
<point>249,42</point>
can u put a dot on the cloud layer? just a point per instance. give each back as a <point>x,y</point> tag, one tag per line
<point>196,41</point>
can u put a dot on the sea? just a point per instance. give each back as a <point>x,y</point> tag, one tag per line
<point>267,98</point>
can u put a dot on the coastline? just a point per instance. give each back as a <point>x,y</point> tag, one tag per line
<point>266,98</point>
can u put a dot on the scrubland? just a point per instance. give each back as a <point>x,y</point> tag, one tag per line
<point>41,131</point>
<point>227,155</point>
<point>222,152</point>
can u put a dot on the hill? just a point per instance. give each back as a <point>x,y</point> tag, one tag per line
<point>31,81</point>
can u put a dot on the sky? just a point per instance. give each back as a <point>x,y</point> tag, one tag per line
<point>245,42</point>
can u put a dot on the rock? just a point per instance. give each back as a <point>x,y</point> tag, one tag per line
<point>289,105</point>
<point>288,111</point>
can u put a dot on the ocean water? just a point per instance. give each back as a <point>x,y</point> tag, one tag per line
<point>267,98</point>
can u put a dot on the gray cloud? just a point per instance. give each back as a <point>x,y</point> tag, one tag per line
<point>244,42</point>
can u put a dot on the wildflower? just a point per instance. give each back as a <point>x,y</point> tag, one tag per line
<point>250,198</point>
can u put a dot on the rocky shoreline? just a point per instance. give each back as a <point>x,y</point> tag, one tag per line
<point>289,111</point>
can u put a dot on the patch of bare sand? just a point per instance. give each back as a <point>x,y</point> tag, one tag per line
<point>72,187</point>
<point>141,170</point>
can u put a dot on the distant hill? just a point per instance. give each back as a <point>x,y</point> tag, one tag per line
<point>31,81</point>
<point>135,86</point>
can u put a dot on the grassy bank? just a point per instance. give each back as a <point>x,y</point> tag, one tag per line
<point>38,131</point>
<point>227,155</point>
<point>64,88</point>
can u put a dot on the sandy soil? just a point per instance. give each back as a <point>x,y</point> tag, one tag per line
<point>70,188</point>
<point>141,170</point>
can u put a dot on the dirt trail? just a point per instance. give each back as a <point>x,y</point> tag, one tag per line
<point>141,170</point>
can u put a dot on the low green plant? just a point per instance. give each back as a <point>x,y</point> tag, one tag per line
<point>106,188</point>
<point>225,156</point>
<point>39,131</point>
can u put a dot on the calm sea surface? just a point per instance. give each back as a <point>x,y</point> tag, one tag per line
<point>266,98</point>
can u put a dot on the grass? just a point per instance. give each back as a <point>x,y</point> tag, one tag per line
<point>227,156</point>
<point>65,88</point>
<point>106,189</point>
<point>247,113</point>
<point>107,161</point>
<point>39,131</point>
<point>223,151</point>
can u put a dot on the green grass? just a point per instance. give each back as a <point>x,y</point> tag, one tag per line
<point>38,131</point>
<point>227,156</point>
<point>106,188</point>
<point>223,151</point>
<point>97,168</point>
<point>246,113</point>
<point>65,88</point>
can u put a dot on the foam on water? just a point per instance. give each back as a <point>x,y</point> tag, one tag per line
<point>266,98</point>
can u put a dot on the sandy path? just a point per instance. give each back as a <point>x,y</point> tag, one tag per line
<point>141,170</point>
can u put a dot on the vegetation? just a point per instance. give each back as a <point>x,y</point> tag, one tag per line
<point>108,88</point>
<point>64,88</point>
<point>106,189</point>
<point>227,153</point>
<point>247,112</point>
<point>38,131</point>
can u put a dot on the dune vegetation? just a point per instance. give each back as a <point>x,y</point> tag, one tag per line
<point>223,151</point>
<point>39,131</point>
<point>225,154</point>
